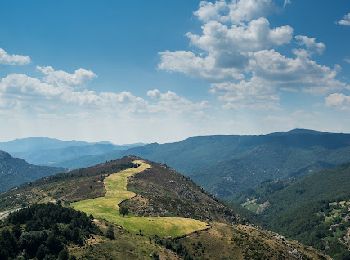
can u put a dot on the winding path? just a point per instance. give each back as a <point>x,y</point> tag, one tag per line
<point>107,208</point>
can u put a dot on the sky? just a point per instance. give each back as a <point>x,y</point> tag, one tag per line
<point>161,71</point>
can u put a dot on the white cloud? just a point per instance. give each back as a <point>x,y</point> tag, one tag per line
<point>190,64</point>
<point>238,51</point>
<point>338,100</point>
<point>299,72</point>
<point>255,35</point>
<point>227,49</point>
<point>311,44</point>
<point>57,90</point>
<point>62,78</point>
<point>171,102</point>
<point>12,59</point>
<point>345,21</point>
<point>256,94</point>
<point>234,11</point>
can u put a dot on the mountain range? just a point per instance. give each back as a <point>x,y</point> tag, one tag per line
<point>232,165</point>
<point>228,166</point>
<point>53,152</point>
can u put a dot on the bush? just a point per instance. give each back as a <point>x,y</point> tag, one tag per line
<point>110,232</point>
<point>123,211</point>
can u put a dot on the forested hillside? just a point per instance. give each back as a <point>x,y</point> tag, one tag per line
<point>15,171</point>
<point>314,210</point>
<point>228,166</point>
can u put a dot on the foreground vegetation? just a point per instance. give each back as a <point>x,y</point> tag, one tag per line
<point>107,208</point>
<point>44,231</point>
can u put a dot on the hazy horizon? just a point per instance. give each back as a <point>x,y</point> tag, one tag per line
<point>169,141</point>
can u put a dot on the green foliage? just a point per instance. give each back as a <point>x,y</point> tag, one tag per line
<point>300,210</point>
<point>44,230</point>
<point>110,232</point>
<point>123,211</point>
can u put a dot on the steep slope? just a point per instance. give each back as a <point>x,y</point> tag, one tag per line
<point>161,191</point>
<point>314,210</point>
<point>224,235</point>
<point>14,172</point>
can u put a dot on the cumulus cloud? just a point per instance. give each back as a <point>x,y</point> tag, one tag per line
<point>227,48</point>
<point>345,21</point>
<point>57,89</point>
<point>196,66</point>
<point>255,35</point>
<point>298,72</point>
<point>12,59</point>
<point>62,78</point>
<point>171,102</point>
<point>338,100</point>
<point>255,93</point>
<point>311,44</point>
<point>234,11</point>
<point>238,52</point>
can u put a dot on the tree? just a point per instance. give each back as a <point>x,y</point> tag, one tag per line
<point>63,255</point>
<point>110,232</point>
<point>42,252</point>
<point>123,210</point>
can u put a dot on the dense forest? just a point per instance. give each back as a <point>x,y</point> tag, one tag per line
<point>43,231</point>
<point>315,209</point>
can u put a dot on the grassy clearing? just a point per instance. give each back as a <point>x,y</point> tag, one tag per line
<point>107,208</point>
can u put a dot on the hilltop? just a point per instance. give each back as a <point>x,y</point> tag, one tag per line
<point>155,193</point>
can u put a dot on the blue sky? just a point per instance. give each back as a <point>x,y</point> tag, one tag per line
<point>165,70</point>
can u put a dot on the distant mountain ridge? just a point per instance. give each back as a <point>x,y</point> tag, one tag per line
<point>14,171</point>
<point>51,151</point>
<point>226,165</point>
<point>229,165</point>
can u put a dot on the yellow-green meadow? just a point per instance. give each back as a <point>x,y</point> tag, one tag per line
<point>107,208</point>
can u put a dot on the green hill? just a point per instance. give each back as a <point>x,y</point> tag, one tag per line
<point>157,196</point>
